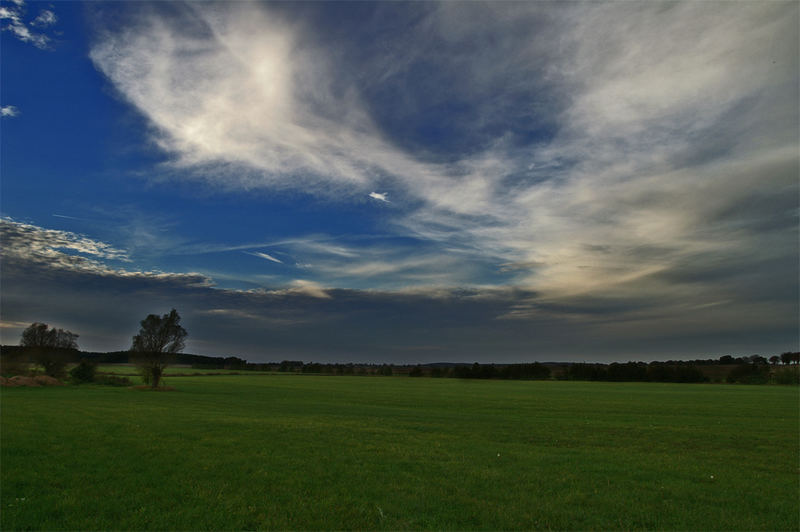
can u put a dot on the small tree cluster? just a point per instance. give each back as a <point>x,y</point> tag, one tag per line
<point>50,348</point>
<point>41,335</point>
<point>749,374</point>
<point>290,365</point>
<point>787,375</point>
<point>509,371</point>
<point>416,371</point>
<point>635,371</point>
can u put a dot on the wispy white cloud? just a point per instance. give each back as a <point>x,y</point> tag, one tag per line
<point>70,252</point>
<point>236,96</point>
<point>9,111</point>
<point>13,324</point>
<point>68,217</point>
<point>252,315</point>
<point>659,131</point>
<point>263,256</point>
<point>301,287</point>
<point>355,262</point>
<point>654,129</point>
<point>44,19</point>
<point>12,19</point>
<point>379,196</point>
<point>31,240</point>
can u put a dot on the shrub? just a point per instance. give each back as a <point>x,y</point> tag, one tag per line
<point>84,371</point>
<point>146,374</point>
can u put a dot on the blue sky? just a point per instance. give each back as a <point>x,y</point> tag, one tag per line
<point>404,182</point>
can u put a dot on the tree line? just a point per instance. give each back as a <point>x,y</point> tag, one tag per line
<point>161,339</point>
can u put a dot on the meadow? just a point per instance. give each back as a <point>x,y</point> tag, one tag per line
<point>315,452</point>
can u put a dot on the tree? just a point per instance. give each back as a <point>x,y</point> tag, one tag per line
<point>159,338</point>
<point>790,357</point>
<point>51,348</point>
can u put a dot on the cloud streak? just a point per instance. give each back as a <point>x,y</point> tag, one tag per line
<point>379,196</point>
<point>263,256</point>
<point>9,111</point>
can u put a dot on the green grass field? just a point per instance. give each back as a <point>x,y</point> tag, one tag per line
<point>315,452</point>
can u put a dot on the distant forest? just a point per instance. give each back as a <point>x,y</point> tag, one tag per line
<point>782,369</point>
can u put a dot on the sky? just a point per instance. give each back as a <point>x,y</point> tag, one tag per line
<point>404,182</point>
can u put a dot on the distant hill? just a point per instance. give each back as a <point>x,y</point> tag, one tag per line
<point>123,357</point>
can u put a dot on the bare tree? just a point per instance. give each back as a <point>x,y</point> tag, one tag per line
<point>159,337</point>
<point>51,348</point>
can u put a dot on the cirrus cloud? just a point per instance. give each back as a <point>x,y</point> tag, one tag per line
<point>653,114</point>
<point>654,162</point>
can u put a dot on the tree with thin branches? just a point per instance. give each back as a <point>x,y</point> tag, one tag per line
<point>159,338</point>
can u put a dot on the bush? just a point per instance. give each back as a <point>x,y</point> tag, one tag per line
<point>84,371</point>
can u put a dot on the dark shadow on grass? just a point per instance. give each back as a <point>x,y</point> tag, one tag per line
<point>147,388</point>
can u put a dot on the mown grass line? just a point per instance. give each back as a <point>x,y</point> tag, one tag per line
<point>281,452</point>
<point>130,370</point>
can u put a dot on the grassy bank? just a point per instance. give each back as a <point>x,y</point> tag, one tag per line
<point>311,452</point>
